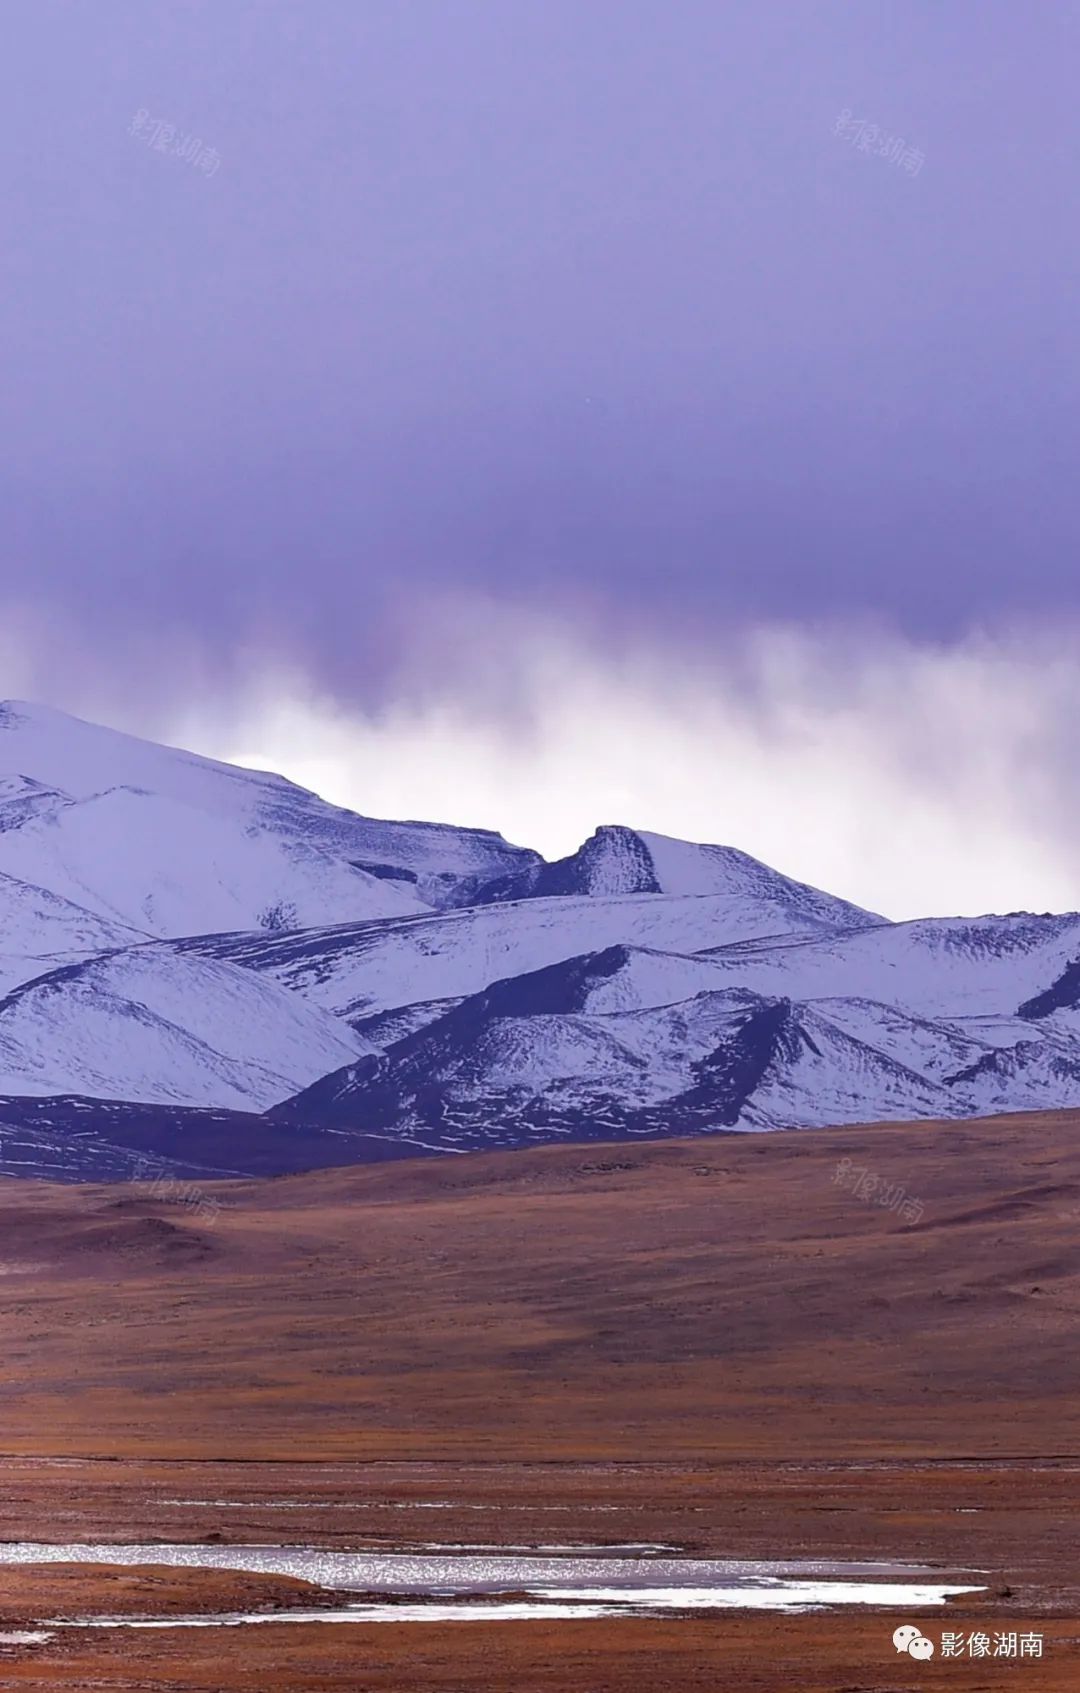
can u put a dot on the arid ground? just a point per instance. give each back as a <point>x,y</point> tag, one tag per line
<point>709,1343</point>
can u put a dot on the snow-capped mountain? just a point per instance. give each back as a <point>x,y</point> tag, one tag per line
<point>592,1048</point>
<point>39,929</point>
<point>150,1024</point>
<point>617,860</point>
<point>939,967</point>
<point>355,970</point>
<point>217,964</point>
<point>155,841</point>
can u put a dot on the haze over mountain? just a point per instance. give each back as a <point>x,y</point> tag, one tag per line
<point>189,937</point>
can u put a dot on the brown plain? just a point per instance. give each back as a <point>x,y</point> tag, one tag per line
<point>711,1343</point>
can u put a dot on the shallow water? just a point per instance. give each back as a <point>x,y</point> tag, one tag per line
<point>612,1549</point>
<point>602,1585</point>
<point>378,1505</point>
<point>421,1611</point>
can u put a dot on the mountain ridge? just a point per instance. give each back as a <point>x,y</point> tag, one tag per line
<point>184,935</point>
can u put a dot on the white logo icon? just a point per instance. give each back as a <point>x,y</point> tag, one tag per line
<point>909,1639</point>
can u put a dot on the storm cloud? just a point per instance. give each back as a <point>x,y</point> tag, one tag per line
<point>544,301</point>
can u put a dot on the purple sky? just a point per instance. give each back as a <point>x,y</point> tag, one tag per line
<point>580,303</point>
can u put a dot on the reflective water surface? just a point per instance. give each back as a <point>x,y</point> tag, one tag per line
<point>540,1585</point>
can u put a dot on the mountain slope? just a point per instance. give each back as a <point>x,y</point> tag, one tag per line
<point>626,1042</point>
<point>167,868</point>
<point>40,930</point>
<point>173,844</point>
<point>358,969</point>
<point>68,1138</point>
<point>149,1024</point>
<point>932,967</point>
<point>508,1066</point>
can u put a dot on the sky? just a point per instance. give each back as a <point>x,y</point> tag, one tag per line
<point>544,413</point>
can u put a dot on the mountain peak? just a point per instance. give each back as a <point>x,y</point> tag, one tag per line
<point>617,859</point>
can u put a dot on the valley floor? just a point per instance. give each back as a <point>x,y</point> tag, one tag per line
<point>713,1344</point>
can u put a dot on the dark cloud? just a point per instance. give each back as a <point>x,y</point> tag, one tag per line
<point>586,308</point>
